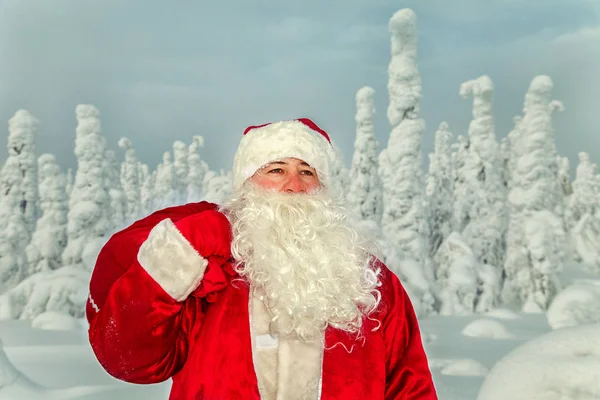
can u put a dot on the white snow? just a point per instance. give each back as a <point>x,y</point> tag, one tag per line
<point>487,328</point>
<point>502,313</point>
<point>55,320</point>
<point>466,367</point>
<point>561,365</point>
<point>576,305</point>
<point>497,248</point>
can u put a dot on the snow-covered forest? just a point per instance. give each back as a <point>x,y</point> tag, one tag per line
<point>492,225</point>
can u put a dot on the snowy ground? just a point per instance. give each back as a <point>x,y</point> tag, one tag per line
<point>463,352</point>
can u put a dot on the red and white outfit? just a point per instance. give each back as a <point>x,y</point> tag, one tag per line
<point>165,303</point>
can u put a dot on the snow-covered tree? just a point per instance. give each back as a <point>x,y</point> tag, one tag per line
<point>339,173</point>
<point>180,165</point>
<point>217,186</point>
<point>14,233</point>
<point>586,191</point>
<point>400,163</point>
<point>545,243</point>
<point>89,220</point>
<point>505,157</point>
<point>197,170</point>
<point>511,151</point>
<point>535,202</point>
<point>456,276</point>
<point>130,181</point>
<point>64,290</point>
<point>439,189</point>
<point>146,180</point>
<point>118,200</point>
<point>23,128</point>
<point>50,236</point>
<point>18,198</point>
<point>70,181</point>
<point>486,226</point>
<point>462,194</point>
<point>364,187</point>
<point>165,191</point>
<point>564,176</point>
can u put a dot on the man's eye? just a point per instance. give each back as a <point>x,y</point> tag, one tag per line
<point>307,172</point>
<point>276,170</point>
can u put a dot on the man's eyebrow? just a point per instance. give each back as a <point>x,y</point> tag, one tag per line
<point>304,163</point>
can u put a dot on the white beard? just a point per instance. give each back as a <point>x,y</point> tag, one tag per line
<point>301,253</point>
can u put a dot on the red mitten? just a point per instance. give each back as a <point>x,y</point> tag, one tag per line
<point>209,232</point>
<point>176,255</point>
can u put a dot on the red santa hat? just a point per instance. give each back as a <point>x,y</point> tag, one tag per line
<point>300,138</point>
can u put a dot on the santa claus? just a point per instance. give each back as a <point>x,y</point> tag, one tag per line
<point>271,295</point>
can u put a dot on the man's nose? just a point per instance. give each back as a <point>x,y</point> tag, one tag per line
<point>294,184</point>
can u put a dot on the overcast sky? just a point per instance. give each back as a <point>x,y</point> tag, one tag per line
<point>161,71</point>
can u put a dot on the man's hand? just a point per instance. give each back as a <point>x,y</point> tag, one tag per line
<point>209,233</point>
<point>176,255</point>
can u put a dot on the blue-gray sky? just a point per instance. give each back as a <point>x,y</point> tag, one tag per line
<point>161,71</point>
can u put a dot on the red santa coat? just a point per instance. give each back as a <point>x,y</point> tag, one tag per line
<point>145,328</point>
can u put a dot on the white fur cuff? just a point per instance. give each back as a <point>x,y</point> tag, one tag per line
<point>171,260</point>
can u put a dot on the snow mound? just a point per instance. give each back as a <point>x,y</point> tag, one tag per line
<point>466,367</point>
<point>13,384</point>
<point>502,313</point>
<point>575,305</point>
<point>8,373</point>
<point>55,320</point>
<point>560,365</point>
<point>487,328</point>
<point>63,289</point>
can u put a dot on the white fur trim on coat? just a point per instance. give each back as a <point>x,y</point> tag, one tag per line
<point>286,369</point>
<point>280,140</point>
<point>299,370</point>
<point>171,260</point>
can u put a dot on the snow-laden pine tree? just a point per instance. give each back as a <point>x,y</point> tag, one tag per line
<point>400,163</point>
<point>340,174</point>
<point>165,186</point>
<point>564,176</point>
<point>146,180</point>
<point>583,213</point>
<point>586,191</point>
<point>535,237</point>
<point>130,181</point>
<point>14,233</point>
<point>462,194</point>
<point>439,190</point>
<point>197,170</point>
<point>118,200</point>
<point>217,187</point>
<point>364,187</point>
<point>505,157</point>
<point>89,219</point>
<point>456,276</point>
<point>22,132</point>
<point>486,212</point>
<point>50,236</point>
<point>465,284</point>
<point>18,198</point>
<point>62,290</point>
<point>180,165</point>
<point>511,151</point>
<point>70,181</point>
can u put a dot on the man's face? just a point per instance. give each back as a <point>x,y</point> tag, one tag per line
<point>288,175</point>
